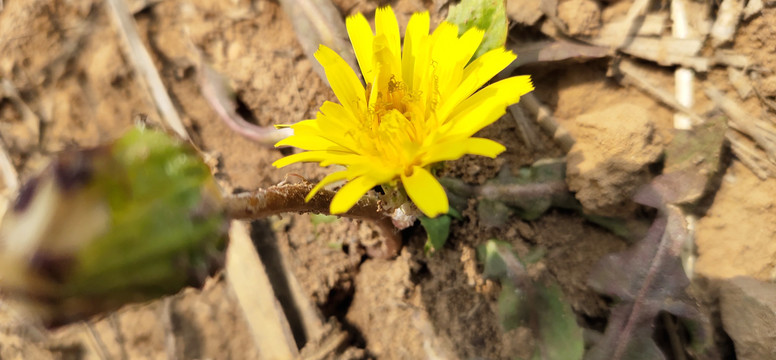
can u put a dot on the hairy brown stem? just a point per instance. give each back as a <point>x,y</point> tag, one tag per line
<point>290,198</point>
<point>523,194</point>
<point>520,195</point>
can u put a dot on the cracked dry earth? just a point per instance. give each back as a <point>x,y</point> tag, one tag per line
<point>66,60</point>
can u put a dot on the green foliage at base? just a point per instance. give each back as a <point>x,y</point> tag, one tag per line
<point>487,15</point>
<point>539,305</point>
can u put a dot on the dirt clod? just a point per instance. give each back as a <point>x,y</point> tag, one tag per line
<point>583,17</point>
<point>748,308</point>
<point>735,238</point>
<point>768,86</point>
<point>609,161</point>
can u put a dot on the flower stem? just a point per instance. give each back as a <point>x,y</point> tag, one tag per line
<point>285,198</point>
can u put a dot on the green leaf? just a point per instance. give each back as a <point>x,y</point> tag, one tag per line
<point>437,229</point>
<point>493,213</point>
<point>512,309</point>
<point>455,213</point>
<point>525,302</point>
<point>558,335</point>
<point>487,15</point>
<point>488,255</point>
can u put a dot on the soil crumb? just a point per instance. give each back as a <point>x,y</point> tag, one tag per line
<point>611,157</point>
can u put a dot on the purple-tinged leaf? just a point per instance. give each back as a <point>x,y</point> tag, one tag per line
<point>647,279</point>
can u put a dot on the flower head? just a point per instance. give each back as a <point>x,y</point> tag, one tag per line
<point>420,106</point>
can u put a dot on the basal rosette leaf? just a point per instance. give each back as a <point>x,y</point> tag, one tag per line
<point>537,304</point>
<point>647,279</point>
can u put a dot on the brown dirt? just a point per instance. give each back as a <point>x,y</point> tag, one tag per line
<point>736,235</point>
<point>582,17</point>
<point>611,158</point>
<point>67,62</point>
<point>735,238</point>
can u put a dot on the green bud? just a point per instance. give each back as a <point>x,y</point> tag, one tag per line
<point>98,228</point>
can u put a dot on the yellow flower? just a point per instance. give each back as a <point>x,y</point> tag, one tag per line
<point>419,107</point>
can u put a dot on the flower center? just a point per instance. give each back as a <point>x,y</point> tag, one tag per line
<point>394,125</point>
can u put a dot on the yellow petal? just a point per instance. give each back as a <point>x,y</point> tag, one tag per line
<point>414,38</point>
<point>350,194</point>
<point>485,106</point>
<point>388,63</point>
<point>386,25</point>
<point>376,168</point>
<point>361,35</point>
<point>326,128</point>
<point>342,79</point>
<point>340,158</point>
<point>304,125</point>
<point>426,192</point>
<point>328,179</point>
<point>323,157</point>
<point>455,149</point>
<point>463,51</point>
<point>300,157</point>
<point>469,42</point>
<point>484,147</point>
<point>488,65</point>
<point>312,142</point>
<point>443,55</point>
<point>337,111</point>
<point>475,75</point>
<point>431,63</point>
<point>335,118</point>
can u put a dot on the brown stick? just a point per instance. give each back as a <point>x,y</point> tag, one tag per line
<point>290,198</point>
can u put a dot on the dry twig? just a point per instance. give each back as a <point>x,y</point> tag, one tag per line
<point>7,171</point>
<point>740,82</point>
<point>319,22</point>
<point>683,77</point>
<point>547,122</point>
<point>249,281</point>
<point>724,27</point>
<point>746,152</point>
<point>631,75</point>
<point>169,329</point>
<point>652,25</point>
<point>550,9</point>
<point>328,346</point>
<point>29,119</point>
<point>669,51</point>
<point>727,58</point>
<point>753,7</point>
<point>144,66</point>
<point>99,345</point>
<point>762,132</point>
<point>524,127</point>
<point>637,11</point>
<point>767,102</point>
